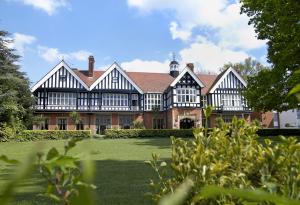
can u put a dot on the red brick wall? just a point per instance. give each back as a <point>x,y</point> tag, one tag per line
<point>266,119</point>
<point>177,113</point>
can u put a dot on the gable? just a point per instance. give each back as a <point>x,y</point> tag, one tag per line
<point>187,76</point>
<point>115,79</point>
<point>229,80</point>
<point>61,76</point>
<point>187,79</point>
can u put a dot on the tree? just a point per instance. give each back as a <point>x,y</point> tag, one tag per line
<point>75,116</point>
<point>15,97</point>
<point>249,67</point>
<point>278,22</point>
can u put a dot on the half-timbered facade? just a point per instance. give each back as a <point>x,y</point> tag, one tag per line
<point>115,98</point>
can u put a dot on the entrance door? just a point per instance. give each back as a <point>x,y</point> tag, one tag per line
<point>187,123</point>
<point>103,122</point>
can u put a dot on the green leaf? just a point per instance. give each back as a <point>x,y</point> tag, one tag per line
<point>180,194</point>
<point>5,159</point>
<point>248,195</point>
<point>52,153</point>
<point>295,90</point>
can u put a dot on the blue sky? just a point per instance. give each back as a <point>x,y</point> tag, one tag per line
<point>138,34</point>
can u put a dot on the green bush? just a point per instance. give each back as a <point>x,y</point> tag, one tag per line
<point>148,133</point>
<point>276,132</point>
<point>229,157</point>
<point>30,135</point>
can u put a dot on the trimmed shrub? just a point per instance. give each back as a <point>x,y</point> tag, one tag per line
<point>276,132</point>
<point>30,135</point>
<point>148,133</point>
<point>230,157</point>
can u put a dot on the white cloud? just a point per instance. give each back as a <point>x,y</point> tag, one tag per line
<point>209,57</point>
<point>49,6</point>
<point>20,42</point>
<point>54,55</point>
<point>139,65</point>
<point>179,33</point>
<point>81,55</point>
<point>220,18</point>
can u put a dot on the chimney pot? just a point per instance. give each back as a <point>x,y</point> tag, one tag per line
<point>190,66</point>
<point>91,66</point>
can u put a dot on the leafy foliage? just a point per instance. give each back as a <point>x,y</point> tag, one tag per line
<point>75,116</point>
<point>138,124</point>
<point>7,192</point>
<point>249,67</point>
<point>31,135</point>
<point>15,96</point>
<point>231,157</point>
<point>147,133</point>
<point>64,175</point>
<point>276,21</point>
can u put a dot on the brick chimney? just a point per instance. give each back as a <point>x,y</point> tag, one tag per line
<point>190,66</point>
<point>91,66</point>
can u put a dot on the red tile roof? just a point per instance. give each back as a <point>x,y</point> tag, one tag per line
<point>83,75</point>
<point>208,80</point>
<point>149,82</point>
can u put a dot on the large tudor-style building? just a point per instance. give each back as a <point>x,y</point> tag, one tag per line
<point>115,98</point>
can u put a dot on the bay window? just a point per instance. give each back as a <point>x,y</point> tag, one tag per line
<point>153,100</point>
<point>186,95</point>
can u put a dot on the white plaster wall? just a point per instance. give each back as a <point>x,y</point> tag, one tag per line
<point>289,117</point>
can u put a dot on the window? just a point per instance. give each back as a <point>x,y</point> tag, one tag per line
<point>103,122</point>
<point>231,100</point>
<point>186,95</point>
<point>298,114</point>
<point>134,100</point>
<point>94,99</point>
<point>275,119</point>
<point>57,98</point>
<point>113,99</point>
<point>125,121</point>
<point>153,100</point>
<point>204,100</point>
<point>158,123</point>
<point>62,123</point>
<point>80,125</point>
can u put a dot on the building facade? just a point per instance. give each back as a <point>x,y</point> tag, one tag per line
<point>115,98</point>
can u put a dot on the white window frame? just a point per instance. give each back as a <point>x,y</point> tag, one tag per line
<point>231,100</point>
<point>152,100</point>
<point>115,99</point>
<point>186,95</point>
<point>61,99</point>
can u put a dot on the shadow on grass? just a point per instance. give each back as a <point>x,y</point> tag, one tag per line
<point>118,182</point>
<point>160,143</point>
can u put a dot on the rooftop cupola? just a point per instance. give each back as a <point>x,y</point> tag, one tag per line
<point>174,67</point>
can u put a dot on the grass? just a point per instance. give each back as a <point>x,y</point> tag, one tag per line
<point>122,177</point>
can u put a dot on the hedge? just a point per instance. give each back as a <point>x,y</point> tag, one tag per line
<point>185,133</point>
<point>148,133</point>
<point>276,132</point>
<point>30,135</point>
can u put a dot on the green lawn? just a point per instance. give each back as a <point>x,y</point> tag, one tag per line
<point>122,176</point>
